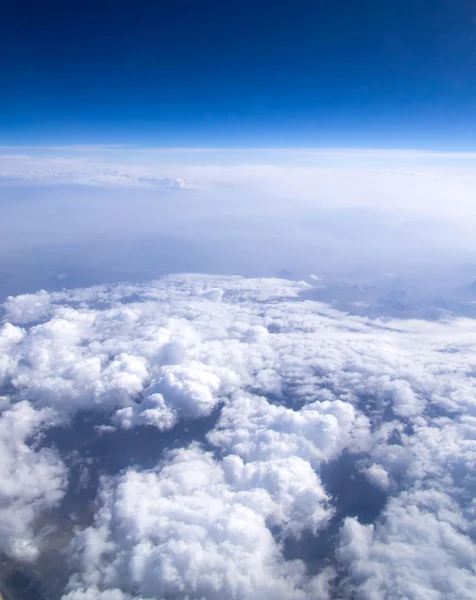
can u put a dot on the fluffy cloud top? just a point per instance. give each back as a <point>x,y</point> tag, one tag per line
<point>198,528</point>
<point>31,482</point>
<point>295,387</point>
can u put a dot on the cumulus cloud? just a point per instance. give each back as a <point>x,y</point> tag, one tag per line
<point>197,528</point>
<point>252,427</point>
<point>420,549</point>
<point>31,482</point>
<point>377,476</point>
<point>188,392</point>
<point>295,388</point>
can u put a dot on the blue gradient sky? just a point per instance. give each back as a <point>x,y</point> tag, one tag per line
<point>388,73</point>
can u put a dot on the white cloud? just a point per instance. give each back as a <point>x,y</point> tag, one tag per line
<point>254,428</point>
<point>197,528</point>
<point>93,592</point>
<point>177,392</point>
<point>296,384</point>
<point>31,482</point>
<point>255,212</point>
<point>377,476</point>
<point>414,553</point>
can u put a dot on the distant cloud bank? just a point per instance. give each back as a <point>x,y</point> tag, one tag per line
<point>96,213</point>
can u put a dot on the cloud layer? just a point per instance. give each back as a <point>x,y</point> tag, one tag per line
<point>78,217</point>
<point>287,389</point>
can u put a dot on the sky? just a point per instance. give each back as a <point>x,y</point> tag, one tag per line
<point>240,74</point>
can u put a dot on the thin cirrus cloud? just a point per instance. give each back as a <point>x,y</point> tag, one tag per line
<point>274,395</point>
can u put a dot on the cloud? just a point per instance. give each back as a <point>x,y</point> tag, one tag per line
<point>377,476</point>
<point>397,558</point>
<point>31,482</point>
<point>116,214</point>
<point>252,427</point>
<point>107,177</point>
<point>286,391</point>
<point>197,528</point>
<point>89,356</point>
<point>187,392</point>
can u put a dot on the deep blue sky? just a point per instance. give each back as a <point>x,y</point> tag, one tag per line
<point>387,73</point>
